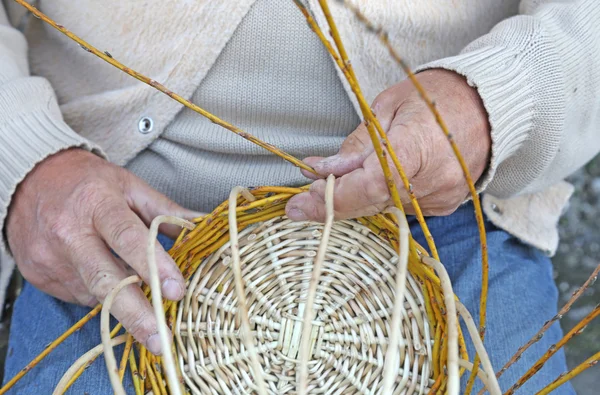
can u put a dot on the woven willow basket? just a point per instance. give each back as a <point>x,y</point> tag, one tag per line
<point>354,304</point>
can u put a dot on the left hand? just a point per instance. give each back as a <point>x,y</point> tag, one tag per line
<point>422,149</point>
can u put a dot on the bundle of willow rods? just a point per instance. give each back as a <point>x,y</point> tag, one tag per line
<point>274,306</point>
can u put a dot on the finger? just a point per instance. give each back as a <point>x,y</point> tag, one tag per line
<point>148,203</point>
<point>101,273</point>
<point>312,161</point>
<point>127,235</point>
<point>356,194</point>
<point>355,149</point>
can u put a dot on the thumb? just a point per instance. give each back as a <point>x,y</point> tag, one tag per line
<point>355,149</point>
<point>148,204</point>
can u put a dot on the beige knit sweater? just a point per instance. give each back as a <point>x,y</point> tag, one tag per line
<point>535,63</point>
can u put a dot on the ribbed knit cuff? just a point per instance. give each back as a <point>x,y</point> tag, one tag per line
<point>502,86</point>
<point>31,129</point>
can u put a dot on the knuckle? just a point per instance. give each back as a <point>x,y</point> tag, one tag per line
<point>172,207</point>
<point>60,228</point>
<point>86,299</point>
<point>39,254</point>
<point>99,283</point>
<point>139,324</point>
<point>103,207</point>
<point>354,143</point>
<point>377,191</point>
<point>382,99</point>
<point>93,201</point>
<point>88,194</point>
<point>125,234</point>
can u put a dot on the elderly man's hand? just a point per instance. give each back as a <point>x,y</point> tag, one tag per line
<point>66,215</point>
<point>422,149</point>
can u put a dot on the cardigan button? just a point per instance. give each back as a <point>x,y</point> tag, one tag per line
<point>145,125</point>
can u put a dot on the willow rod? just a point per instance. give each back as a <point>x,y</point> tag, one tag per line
<point>563,378</point>
<point>309,313</point>
<point>50,348</point>
<point>555,347</point>
<point>591,280</point>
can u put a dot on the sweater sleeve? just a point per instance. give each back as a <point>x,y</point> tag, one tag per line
<point>31,124</point>
<point>538,74</point>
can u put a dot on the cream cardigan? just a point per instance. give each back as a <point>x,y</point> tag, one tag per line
<point>535,63</point>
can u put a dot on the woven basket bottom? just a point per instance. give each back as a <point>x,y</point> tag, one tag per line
<point>353,308</point>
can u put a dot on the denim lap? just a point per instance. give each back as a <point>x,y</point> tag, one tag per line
<point>522,296</point>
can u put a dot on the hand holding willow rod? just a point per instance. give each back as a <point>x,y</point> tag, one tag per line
<point>66,215</point>
<point>435,175</point>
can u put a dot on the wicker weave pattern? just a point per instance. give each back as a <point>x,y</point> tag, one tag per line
<point>353,309</point>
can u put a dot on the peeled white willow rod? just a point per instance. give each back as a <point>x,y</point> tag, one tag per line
<point>157,300</point>
<point>109,355</point>
<point>480,373</point>
<point>239,286</point>
<point>314,282</point>
<point>83,360</point>
<point>492,384</point>
<point>390,356</point>
<point>452,324</point>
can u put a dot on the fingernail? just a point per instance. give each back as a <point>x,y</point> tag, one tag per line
<point>153,344</point>
<point>171,289</point>
<point>297,215</point>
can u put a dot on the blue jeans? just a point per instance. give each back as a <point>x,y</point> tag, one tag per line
<point>522,296</point>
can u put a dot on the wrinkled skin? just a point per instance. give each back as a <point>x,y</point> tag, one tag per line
<point>66,215</point>
<point>422,149</point>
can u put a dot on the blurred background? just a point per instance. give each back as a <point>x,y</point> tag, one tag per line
<point>578,255</point>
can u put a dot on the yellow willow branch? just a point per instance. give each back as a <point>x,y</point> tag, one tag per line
<point>553,349</point>
<point>125,358</point>
<point>135,375</point>
<point>591,280</point>
<point>82,369</point>
<point>158,86</point>
<point>84,361</point>
<point>563,378</point>
<point>50,348</point>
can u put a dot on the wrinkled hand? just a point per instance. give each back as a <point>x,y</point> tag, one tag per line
<point>423,150</point>
<point>64,217</point>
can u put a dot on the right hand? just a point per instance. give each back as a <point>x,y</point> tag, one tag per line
<point>66,216</point>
